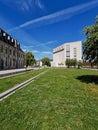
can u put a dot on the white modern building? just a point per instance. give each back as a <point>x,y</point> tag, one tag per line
<point>72,50</point>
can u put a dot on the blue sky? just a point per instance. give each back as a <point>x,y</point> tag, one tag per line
<point>41,25</point>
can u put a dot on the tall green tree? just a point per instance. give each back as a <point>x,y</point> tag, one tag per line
<point>91,43</point>
<point>29,59</point>
<point>46,61</point>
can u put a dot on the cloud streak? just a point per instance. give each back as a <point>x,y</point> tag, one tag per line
<point>58,16</point>
<point>39,4</point>
<point>39,45</point>
<point>24,5</point>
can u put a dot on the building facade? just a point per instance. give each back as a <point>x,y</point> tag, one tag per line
<point>11,55</point>
<point>72,50</point>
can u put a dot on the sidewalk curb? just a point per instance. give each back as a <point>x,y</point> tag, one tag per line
<point>14,89</point>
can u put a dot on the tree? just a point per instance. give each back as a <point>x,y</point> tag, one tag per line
<point>68,62</point>
<point>79,63</point>
<point>91,43</point>
<point>71,62</point>
<point>29,59</point>
<point>46,61</point>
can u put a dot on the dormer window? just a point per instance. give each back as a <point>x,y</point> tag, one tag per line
<point>8,37</point>
<point>4,34</point>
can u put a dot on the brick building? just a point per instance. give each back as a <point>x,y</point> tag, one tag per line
<point>11,55</point>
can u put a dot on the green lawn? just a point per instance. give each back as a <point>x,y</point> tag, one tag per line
<point>61,99</point>
<point>9,82</point>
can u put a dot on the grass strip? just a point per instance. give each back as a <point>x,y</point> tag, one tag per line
<point>62,99</point>
<point>9,82</point>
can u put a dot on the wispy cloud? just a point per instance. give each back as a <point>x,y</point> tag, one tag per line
<point>39,4</point>
<point>41,54</point>
<point>27,5</point>
<point>47,52</point>
<point>58,16</point>
<point>35,51</point>
<point>40,49</point>
<point>38,45</point>
<point>24,5</point>
<point>47,43</point>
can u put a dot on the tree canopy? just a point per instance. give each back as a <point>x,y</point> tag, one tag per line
<point>91,43</point>
<point>46,61</point>
<point>29,59</point>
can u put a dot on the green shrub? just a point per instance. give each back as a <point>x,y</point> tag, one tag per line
<point>79,63</point>
<point>71,62</point>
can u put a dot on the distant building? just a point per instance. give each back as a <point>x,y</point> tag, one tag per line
<point>11,55</point>
<point>72,50</point>
<point>39,63</point>
<point>51,62</point>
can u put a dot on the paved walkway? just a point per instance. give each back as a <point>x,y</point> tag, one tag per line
<point>4,73</point>
<point>90,69</point>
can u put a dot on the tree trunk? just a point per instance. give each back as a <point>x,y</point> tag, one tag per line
<point>97,62</point>
<point>97,65</point>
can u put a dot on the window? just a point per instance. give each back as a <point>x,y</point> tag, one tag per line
<point>6,61</point>
<point>8,37</point>
<point>14,53</point>
<point>0,33</point>
<point>6,50</point>
<point>67,47</point>
<point>4,34</point>
<point>14,62</point>
<point>68,51</point>
<point>10,62</point>
<point>1,48</point>
<point>67,54</point>
<point>10,51</point>
<point>75,52</point>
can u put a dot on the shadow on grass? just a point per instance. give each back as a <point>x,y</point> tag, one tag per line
<point>88,78</point>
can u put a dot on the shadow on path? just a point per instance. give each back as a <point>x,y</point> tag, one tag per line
<point>88,78</point>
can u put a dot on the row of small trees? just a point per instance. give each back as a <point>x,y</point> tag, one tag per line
<point>73,63</point>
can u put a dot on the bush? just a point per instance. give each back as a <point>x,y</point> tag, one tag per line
<point>73,63</point>
<point>68,63</point>
<point>79,63</point>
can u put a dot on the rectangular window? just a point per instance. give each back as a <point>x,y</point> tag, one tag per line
<point>0,33</point>
<point>4,34</point>
<point>67,54</point>
<point>8,37</point>
<point>6,61</point>
<point>1,48</point>
<point>75,52</point>
<point>6,50</point>
<point>68,51</point>
<point>14,53</point>
<point>10,51</point>
<point>67,47</point>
